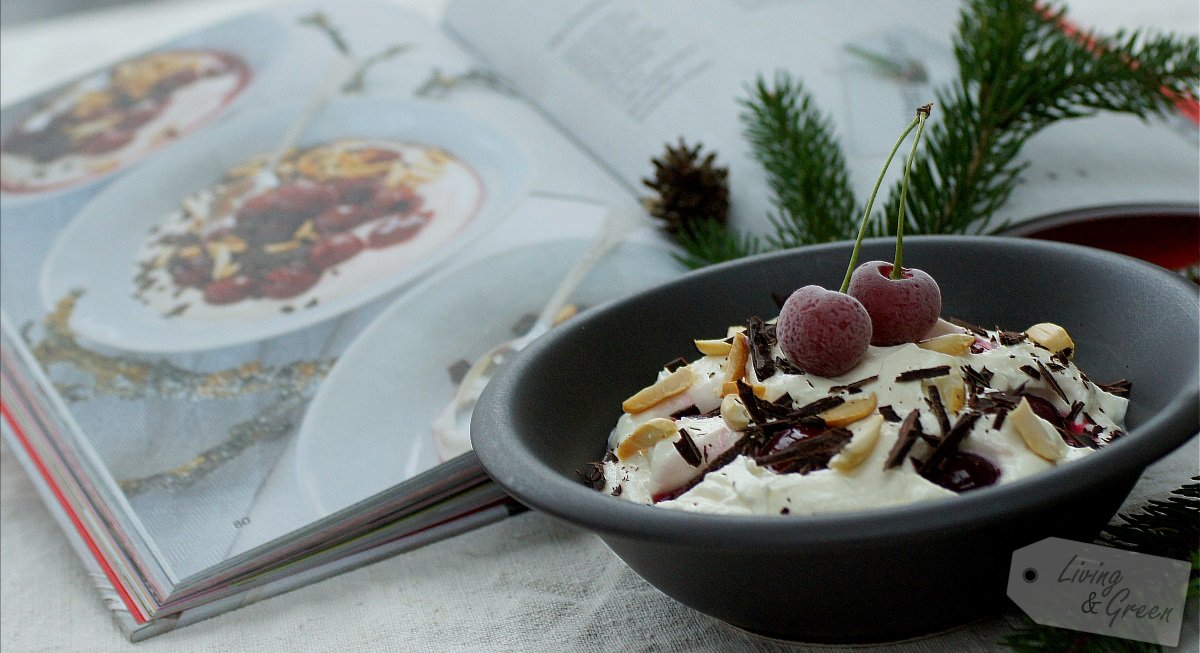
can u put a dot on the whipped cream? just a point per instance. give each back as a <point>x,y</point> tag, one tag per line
<point>984,383</point>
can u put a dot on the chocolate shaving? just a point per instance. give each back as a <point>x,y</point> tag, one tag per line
<point>1119,388</point>
<point>808,454</point>
<point>994,401</point>
<point>720,461</point>
<point>925,373</point>
<point>1063,357</point>
<point>1053,383</point>
<point>687,448</point>
<point>1033,373</point>
<point>610,457</point>
<point>949,444</point>
<point>856,387</point>
<point>929,438</point>
<point>761,342</point>
<point>939,409</point>
<point>1055,367</point>
<point>675,364</point>
<point>1011,337</point>
<point>690,411</point>
<point>761,411</point>
<point>592,475</point>
<point>999,421</point>
<point>904,441</point>
<point>889,413</point>
<point>617,490</point>
<point>784,365</point>
<point>819,406</point>
<point>977,330</point>
<point>978,379</point>
<point>1076,408</point>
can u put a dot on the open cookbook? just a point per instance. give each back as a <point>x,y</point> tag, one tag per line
<point>250,280</point>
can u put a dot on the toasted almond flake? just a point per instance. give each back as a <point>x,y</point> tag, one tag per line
<point>731,388</point>
<point>1051,336</point>
<point>957,398</point>
<point>307,231</point>
<point>729,333</point>
<point>225,270</point>
<point>713,347</point>
<point>665,388</point>
<point>103,165</point>
<point>734,367</point>
<point>850,411</point>
<point>191,251</point>
<point>860,445</point>
<point>1039,435</point>
<point>734,413</point>
<point>284,246</point>
<point>952,344</point>
<point>645,436</point>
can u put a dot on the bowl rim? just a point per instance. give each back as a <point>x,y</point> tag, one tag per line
<point>512,465</point>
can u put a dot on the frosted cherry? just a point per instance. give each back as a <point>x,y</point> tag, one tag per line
<point>823,332</point>
<point>902,310</point>
<point>904,303</point>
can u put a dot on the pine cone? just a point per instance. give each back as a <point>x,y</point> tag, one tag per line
<point>689,188</point>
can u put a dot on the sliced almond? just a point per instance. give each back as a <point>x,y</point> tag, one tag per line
<point>713,347</point>
<point>1051,336</point>
<point>734,413</point>
<point>849,412</point>
<point>951,344</point>
<point>1039,435</point>
<point>956,398</point>
<point>734,329</point>
<point>280,247</point>
<point>645,436</point>
<point>665,388</point>
<point>307,231</point>
<point>730,388</point>
<point>859,447</point>
<point>734,367</point>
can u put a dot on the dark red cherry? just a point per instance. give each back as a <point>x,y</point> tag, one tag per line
<point>823,332</point>
<point>963,472</point>
<point>902,310</point>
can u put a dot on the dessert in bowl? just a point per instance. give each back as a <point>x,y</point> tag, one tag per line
<point>869,574</point>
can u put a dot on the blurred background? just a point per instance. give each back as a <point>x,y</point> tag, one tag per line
<point>16,12</point>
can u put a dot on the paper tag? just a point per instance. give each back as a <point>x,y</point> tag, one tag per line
<point>1099,589</point>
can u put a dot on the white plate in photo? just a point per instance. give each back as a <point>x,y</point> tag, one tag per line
<point>369,425</point>
<point>124,250</point>
<point>84,131</point>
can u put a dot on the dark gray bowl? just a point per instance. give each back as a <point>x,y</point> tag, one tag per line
<point>864,576</point>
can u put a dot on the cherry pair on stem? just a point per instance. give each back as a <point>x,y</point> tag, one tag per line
<point>826,332</point>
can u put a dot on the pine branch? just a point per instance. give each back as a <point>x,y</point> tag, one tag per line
<point>707,241</point>
<point>803,160</point>
<point>1020,71</point>
<point>1165,527</point>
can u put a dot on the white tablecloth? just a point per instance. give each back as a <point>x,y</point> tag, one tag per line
<point>529,583</point>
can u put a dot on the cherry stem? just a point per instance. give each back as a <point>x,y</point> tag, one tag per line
<point>862,229</point>
<point>898,265</point>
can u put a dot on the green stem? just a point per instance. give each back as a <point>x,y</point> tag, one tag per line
<point>862,229</point>
<point>922,114</point>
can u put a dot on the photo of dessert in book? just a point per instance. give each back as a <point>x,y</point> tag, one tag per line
<point>251,236</point>
<point>118,115</point>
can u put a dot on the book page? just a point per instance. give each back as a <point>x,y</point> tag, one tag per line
<point>249,274</point>
<point>626,78</point>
